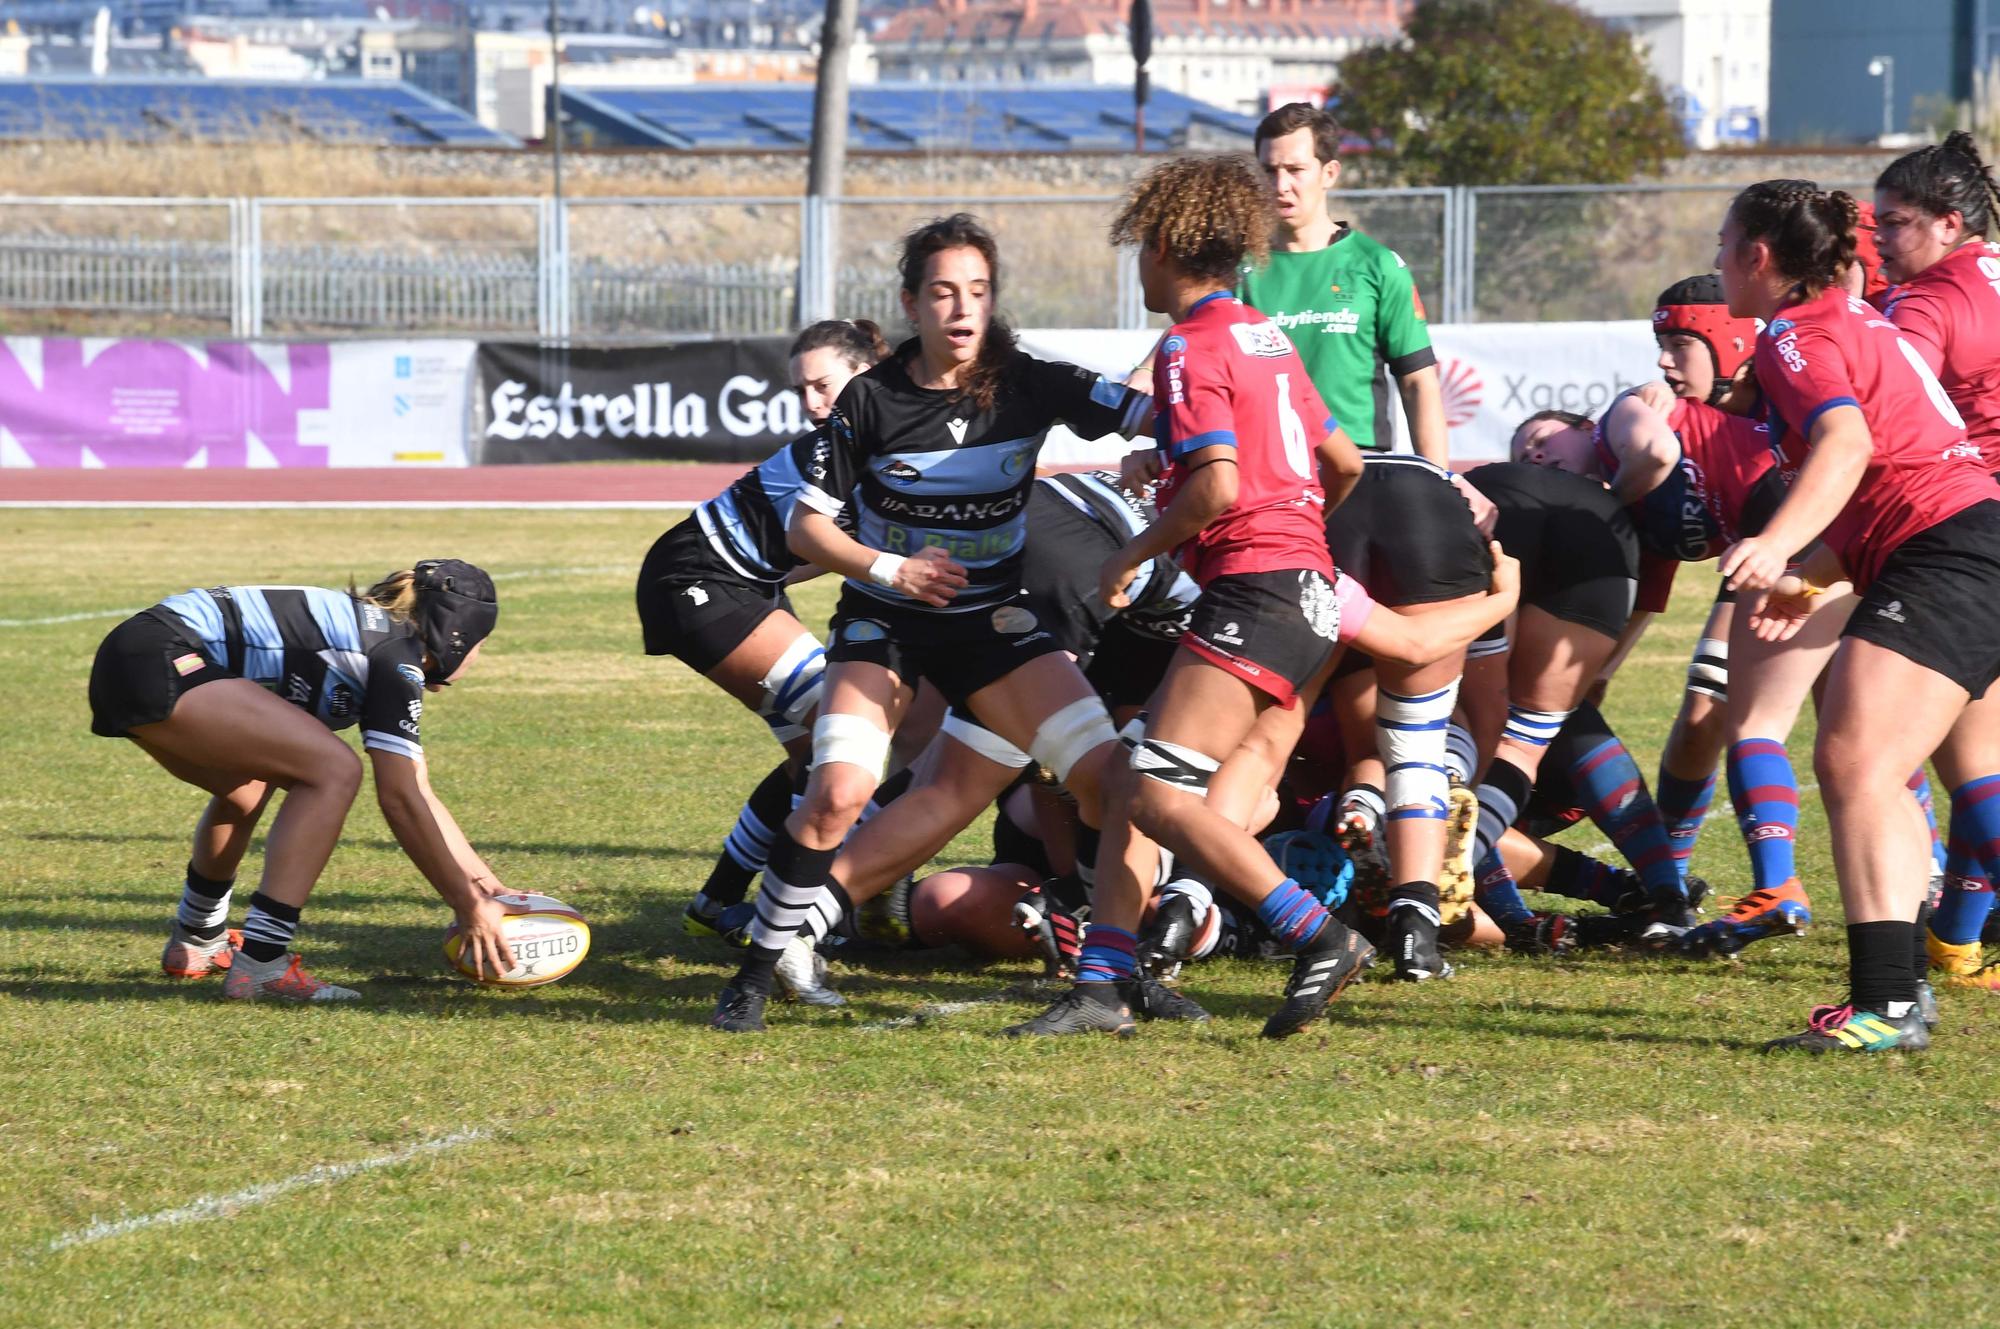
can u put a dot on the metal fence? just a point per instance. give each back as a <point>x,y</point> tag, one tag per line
<point>597,269</point>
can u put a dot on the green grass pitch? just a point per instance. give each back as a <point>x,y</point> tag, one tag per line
<point>1585,1142</point>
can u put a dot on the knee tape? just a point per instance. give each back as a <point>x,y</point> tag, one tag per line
<point>1536,729</point>
<point>983,741</point>
<point>1708,671</point>
<point>792,687</point>
<point>1170,763</point>
<point>1484,648</point>
<point>1411,734</point>
<point>1071,732</point>
<point>852,740</point>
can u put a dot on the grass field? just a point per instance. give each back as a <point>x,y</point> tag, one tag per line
<point>1584,1142</point>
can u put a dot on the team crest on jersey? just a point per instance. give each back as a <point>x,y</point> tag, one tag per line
<point>1781,327</point>
<point>1013,619</point>
<point>901,473</point>
<point>1016,461</point>
<point>863,630</point>
<point>1263,339</point>
<point>1174,345</point>
<point>411,674</point>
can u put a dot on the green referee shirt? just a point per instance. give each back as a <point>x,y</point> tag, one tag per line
<point>1352,310</point>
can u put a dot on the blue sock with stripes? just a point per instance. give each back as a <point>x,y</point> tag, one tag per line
<point>1974,854</point>
<point>1499,894</point>
<point>1614,794</point>
<point>1293,916</point>
<point>1766,794</point>
<point>1683,806</point>
<point>1107,954</point>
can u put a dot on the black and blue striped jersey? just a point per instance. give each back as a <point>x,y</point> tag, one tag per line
<point>1064,561</point>
<point>746,522</point>
<point>927,467</point>
<point>333,655</point>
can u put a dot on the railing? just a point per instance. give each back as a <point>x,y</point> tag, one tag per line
<point>631,268</point>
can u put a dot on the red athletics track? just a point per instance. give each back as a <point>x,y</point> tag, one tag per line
<point>441,487</point>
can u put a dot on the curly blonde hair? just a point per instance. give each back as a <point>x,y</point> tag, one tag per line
<point>1210,214</point>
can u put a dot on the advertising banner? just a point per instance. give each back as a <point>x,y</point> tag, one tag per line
<point>1493,376</point>
<point>698,401</point>
<point>103,402</point>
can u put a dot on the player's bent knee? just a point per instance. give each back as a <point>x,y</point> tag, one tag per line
<point>1070,734</point>
<point>850,740</point>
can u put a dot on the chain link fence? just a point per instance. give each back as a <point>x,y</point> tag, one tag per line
<point>610,269</point>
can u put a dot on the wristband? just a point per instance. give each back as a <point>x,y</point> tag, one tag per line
<point>884,569</point>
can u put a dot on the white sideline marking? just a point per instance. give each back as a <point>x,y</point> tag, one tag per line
<point>222,1206</point>
<point>365,504</point>
<point>595,570</point>
<point>925,1014</point>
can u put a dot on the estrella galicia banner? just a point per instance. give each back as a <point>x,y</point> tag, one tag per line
<point>695,401</point>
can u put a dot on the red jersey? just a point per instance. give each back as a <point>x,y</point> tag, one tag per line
<point>1836,351</point>
<point>1951,313</point>
<point>1226,376</point>
<point>1697,510</point>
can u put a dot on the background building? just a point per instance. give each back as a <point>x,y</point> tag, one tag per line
<point>1821,51</point>
<point>1713,57</point>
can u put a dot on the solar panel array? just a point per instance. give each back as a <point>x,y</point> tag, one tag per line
<point>909,117</point>
<point>370,111</point>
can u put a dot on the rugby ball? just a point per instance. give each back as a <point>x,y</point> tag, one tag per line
<point>547,936</point>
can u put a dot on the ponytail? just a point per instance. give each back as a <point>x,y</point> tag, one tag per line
<point>395,594</point>
<point>1809,230</point>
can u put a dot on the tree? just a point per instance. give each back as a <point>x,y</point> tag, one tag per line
<point>1508,92</point>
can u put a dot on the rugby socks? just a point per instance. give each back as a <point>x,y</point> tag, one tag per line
<point>1203,900</point>
<point>269,928</point>
<point>1766,794</point>
<point>1109,955</point>
<point>1973,852</point>
<point>1683,805</point>
<point>795,876</point>
<point>1582,877</point>
<point>204,910</point>
<point>888,792</point>
<point>1614,794</point>
<point>824,915</point>
<point>1461,754</point>
<point>1880,977</point>
<point>1920,786</point>
<point>1501,797</point>
<point>748,847</point>
<point>1499,894</point>
<point>1293,916</point>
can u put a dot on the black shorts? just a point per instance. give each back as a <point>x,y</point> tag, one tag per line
<point>1407,536</point>
<point>960,652</point>
<point>695,606</point>
<point>1273,630</point>
<point>141,670</point>
<point>1574,573</point>
<point>1129,664</point>
<point>1934,600</point>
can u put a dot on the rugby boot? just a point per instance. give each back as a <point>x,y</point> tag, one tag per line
<point>1412,940</point>
<point>1927,1007</point>
<point>1961,960</point>
<point>190,957</point>
<point>1329,962</point>
<point>885,918</point>
<point>282,979</point>
<point>739,1011</point>
<point>702,917</point>
<point>1767,912</point>
<point>1456,879</point>
<point>1057,935</point>
<point>1365,848</point>
<point>801,974</point>
<point>1547,934</point>
<point>1169,935</point>
<point>1845,1029</point>
<point>1154,1000</point>
<point>1087,1008</point>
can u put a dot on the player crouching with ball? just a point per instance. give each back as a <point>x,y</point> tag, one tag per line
<point>237,690</point>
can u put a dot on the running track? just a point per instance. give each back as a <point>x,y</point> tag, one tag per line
<point>476,486</point>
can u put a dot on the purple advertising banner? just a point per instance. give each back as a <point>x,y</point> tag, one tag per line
<point>67,402</point>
